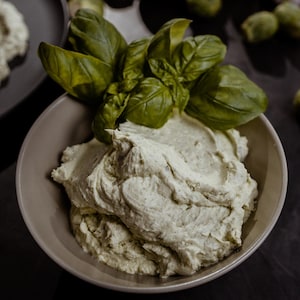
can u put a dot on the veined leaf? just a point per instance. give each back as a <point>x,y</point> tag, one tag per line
<point>132,63</point>
<point>107,116</point>
<point>195,55</point>
<point>167,38</point>
<point>225,97</point>
<point>168,75</point>
<point>150,104</point>
<point>92,34</point>
<point>82,76</point>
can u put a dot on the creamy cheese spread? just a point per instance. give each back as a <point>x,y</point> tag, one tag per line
<point>14,35</point>
<point>159,201</point>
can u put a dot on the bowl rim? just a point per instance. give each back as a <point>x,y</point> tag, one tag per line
<point>153,289</point>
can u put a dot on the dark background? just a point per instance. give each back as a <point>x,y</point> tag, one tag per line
<point>273,271</point>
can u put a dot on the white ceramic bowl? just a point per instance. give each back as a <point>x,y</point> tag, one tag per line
<point>45,208</point>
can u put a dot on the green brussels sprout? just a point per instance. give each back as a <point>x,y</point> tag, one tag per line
<point>260,26</point>
<point>288,15</point>
<point>96,5</point>
<point>204,8</point>
<point>296,102</point>
<point>281,1</point>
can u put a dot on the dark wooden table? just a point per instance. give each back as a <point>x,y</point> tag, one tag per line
<point>272,272</point>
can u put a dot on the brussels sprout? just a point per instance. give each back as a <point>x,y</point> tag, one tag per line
<point>296,102</point>
<point>288,15</point>
<point>260,26</point>
<point>204,8</point>
<point>96,5</point>
<point>281,1</point>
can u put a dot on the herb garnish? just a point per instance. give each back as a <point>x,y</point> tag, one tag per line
<point>146,80</point>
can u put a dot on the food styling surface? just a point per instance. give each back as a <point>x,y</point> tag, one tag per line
<point>273,271</point>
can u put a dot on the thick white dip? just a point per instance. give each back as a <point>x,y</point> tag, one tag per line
<point>159,201</point>
<point>14,36</point>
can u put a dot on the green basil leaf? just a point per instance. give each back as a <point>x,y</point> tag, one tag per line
<point>167,38</point>
<point>180,95</point>
<point>168,75</point>
<point>225,97</point>
<point>195,55</point>
<point>150,104</point>
<point>107,116</point>
<point>113,89</point>
<point>92,34</point>
<point>82,76</point>
<point>132,64</point>
<point>162,69</point>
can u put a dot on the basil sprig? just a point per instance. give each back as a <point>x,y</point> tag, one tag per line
<point>224,97</point>
<point>145,80</point>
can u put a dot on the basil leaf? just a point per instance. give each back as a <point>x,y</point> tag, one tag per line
<point>162,69</point>
<point>107,116</point>
<point>79,74</point>
<point>132,63</point>
<point>195,55</point>
<point>168,75</point>
<point>113,88</point>
<point>92,34</point>
<point>167,38</point>
<point>225,97</point>
<point>150,103</point>
<point>180,95</point>
<point>134,59</point>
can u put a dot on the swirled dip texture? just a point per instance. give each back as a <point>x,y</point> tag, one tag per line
<point>159,201</point>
